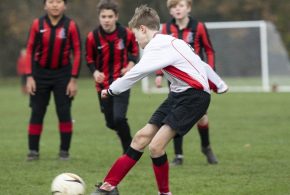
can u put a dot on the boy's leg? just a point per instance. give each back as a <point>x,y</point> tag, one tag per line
<point>203,129</point>
<point>38,104</point>
<point>63,109</point>
<point>115,111</point>
<point>159,157</point>
<point>178,159</point>
<point>123,165</point>
<point>122,127</point>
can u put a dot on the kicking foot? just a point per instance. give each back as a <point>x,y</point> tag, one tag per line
<point>106,189</point>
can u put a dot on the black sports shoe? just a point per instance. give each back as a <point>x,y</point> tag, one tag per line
<point>104,192</point>
<point>32,155</point>
<point>177,161</point>
<point>63,155</point>
<point>211,158</point>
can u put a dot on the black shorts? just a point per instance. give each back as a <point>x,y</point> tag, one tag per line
<point>181,110</point>
<point>48,81</point>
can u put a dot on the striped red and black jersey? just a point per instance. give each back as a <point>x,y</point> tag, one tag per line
<point>194,34</point>
<point>110,52</point>
<point>51,46</point>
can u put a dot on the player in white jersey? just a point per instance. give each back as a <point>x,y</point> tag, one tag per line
<point>189,98</point>
<point>194,32</point>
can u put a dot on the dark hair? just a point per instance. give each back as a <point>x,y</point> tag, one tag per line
<point>108,4</point>
<point>65,1</point>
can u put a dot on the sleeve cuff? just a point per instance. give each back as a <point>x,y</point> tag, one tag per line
<point>92,68</point>
<point>132,58</point>
<point>110,92</point>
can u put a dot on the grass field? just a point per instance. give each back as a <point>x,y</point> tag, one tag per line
<point>250,133</point>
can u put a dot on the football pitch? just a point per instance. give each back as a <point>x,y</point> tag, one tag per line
<point>250,134</point>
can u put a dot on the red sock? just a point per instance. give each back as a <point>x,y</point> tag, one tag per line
<point>122,166</point>
<point>161,171</point>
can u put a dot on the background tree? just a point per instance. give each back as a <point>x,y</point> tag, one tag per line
<point>16,17</point>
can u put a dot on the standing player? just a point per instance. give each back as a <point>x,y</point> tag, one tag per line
<point>193,32</point>
<point>111,50</point>
<point>51,39</point>
<point>189,97</point>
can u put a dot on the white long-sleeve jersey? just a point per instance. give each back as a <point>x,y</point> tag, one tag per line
<point>177,60</point>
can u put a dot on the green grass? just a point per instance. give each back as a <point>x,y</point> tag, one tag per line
<point>249,133</point>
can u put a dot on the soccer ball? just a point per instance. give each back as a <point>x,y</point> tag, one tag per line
<point>68,184</point>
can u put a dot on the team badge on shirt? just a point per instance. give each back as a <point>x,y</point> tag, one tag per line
<point>189,38</point>
<point>62,33</point>
<point>121,44</point>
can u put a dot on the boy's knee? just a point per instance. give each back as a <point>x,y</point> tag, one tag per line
<point>140,140</point>
<point>203,121</point>
<point>116,122</point>
<point>155,150</point>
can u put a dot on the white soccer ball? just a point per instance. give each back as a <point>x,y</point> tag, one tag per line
<point>68,184</point>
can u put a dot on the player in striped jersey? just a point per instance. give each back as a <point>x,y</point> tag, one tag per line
<point>111,50</point>
<point>188,99</point>
<point>52,40</point>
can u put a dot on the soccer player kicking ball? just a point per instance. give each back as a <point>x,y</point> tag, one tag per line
<point>189,96</point>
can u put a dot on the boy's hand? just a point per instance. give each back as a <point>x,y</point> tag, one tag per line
<point>71,89</point>
<point>99,76</point>
<point>129,67</point>
<point>30,85</point>
<point>158,81</point>
<point>104,94</point>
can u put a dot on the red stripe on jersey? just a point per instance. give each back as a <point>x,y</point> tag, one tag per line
<point>184,77</point>
<point>75,39</point>
<point>57,47</point>
<point>31,46</point>
<point>202,41</point>
<point>104,67</point>
<point>42,52</point>
<point>90,49</point>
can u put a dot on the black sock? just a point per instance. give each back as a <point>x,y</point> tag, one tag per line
<point>177,142</point>
<point>33,142</point>
<point>204,136</point>
<point>65,140</point>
